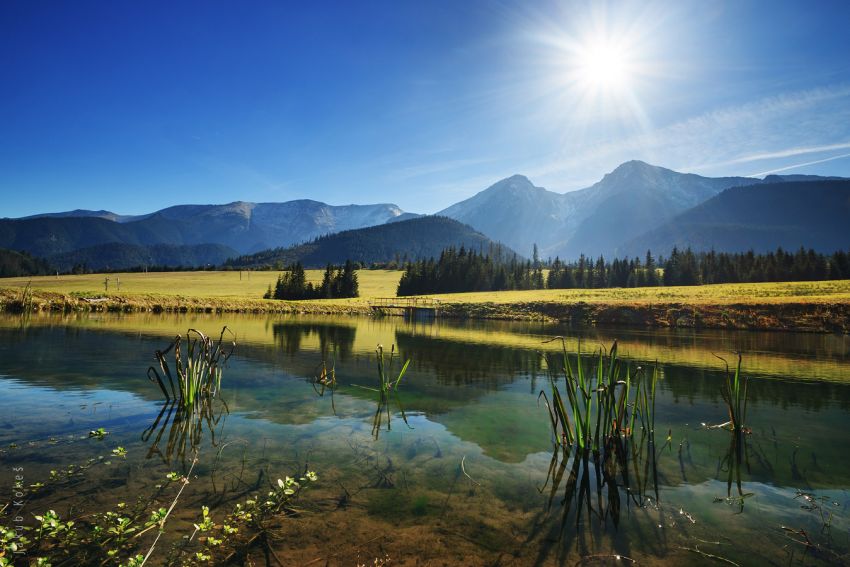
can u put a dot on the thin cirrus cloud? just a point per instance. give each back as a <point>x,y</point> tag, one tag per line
<point>720,141</point>
<point>796,165</point>
<point>792,152</point>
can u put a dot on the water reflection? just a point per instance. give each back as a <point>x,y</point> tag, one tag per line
<point>469,401</point>
<point>335,340</point>
<point>186,428</point>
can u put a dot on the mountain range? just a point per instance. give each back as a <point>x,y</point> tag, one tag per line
<point>635,207</point>
<point>602,219</point>
<point>245,227</point>
<point>814,214</point>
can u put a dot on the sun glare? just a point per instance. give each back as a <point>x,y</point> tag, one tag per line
<point>602,65</point>
<point>596,67</point>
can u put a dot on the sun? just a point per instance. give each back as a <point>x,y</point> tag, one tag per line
<point>602,65</point>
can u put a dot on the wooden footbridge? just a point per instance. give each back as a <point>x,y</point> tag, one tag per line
<point>408,306</point>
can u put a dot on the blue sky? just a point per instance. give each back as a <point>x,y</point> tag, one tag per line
<point>133,107</point>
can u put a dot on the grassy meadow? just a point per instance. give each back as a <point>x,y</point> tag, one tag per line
<point>233,284</point>
<point>383,283</point>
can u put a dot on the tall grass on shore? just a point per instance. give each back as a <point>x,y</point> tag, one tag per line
<point>197,375</point>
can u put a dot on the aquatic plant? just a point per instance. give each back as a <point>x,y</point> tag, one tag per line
<point>325,381</point>
<point>198,375</point>
<point>735,458</point>
<point>115,535</point>
<point>734,392</point>
<point>602,405</point>
<point>98,433</point>
<point>387,385</point>
<point>596,413</point>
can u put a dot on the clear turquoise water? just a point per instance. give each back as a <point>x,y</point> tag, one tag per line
<point>469,397</point>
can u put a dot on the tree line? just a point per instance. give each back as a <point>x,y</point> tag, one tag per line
<point>460,270</point>
<point>14,264</point>
<point>336,283</point>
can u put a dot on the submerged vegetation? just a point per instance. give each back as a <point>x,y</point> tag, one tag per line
<point>608,494</point>
<point>127,534</point>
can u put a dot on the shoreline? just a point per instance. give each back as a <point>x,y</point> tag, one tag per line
<point>801,316</point>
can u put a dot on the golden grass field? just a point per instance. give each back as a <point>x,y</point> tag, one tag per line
<point>243,285</point>
<point>383,283</point>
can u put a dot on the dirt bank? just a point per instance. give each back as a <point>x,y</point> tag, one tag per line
<point>808,316</point>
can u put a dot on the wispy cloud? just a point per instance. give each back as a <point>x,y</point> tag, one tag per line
<point>772,129</point>
<point>797,165</point>
<point>790,152</point>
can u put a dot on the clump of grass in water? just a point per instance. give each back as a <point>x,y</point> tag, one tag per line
<point>601,406</point>
<point>198,376</point>
<point>734,392</point>
<point>597,414</point>
<point>387,386</point>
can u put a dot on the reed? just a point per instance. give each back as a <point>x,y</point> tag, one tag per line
<point>734,392</point>
<point>325,381</point>
<point>598,406</point>
<point>387,386</point>
<point>197,375</point>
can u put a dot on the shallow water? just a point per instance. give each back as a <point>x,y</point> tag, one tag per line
<point>470,396</point>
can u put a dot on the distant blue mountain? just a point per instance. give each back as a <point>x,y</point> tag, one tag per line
<point>636,206</point>
<point>634,198</point>
<point>244,227</point>
<point>809,213</point>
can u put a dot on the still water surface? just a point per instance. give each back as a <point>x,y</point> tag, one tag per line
<point>470,396</point>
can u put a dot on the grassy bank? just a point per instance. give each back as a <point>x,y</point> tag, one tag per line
<point>808,306</point>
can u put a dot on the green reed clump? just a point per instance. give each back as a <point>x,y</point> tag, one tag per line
<point>197,375</point>
<point>734,392</point>
<point>387,385</point>
<point>598,406</point>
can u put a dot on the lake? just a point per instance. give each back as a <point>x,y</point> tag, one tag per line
<point>460,465</point>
